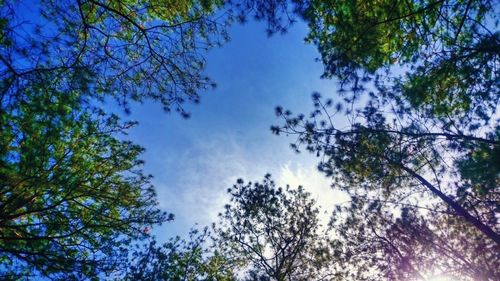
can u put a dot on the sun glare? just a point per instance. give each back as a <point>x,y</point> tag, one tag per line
<point>438,278</point>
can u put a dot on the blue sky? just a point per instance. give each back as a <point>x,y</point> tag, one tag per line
<point>194,161</point>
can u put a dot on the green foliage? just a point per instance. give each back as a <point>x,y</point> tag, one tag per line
<point>402,159</point>
<point>352,34</point>
<point>272,232</point>
<point>437,55</point>
<point>421,130</point>
<point>130,50</point>
<point>480,167</point>
<point>179,260</point>
<point>443,46</point>
<point>413,126</point>
<point>419,156</point>
<point>72,194</point>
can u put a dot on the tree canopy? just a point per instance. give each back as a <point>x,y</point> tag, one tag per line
<point>412,136</point>
<point>439,56</point>
<point>180,259</point>
<point>129,50</point>
<point>273,232</point>
<point>72,193</point>
<point>399,136</point>
<point>419,93</point>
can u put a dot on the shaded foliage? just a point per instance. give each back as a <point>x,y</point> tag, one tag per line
<point>400,157</point>
<point>415,124</point>
<point>179,260</point>
<point>387,241</point>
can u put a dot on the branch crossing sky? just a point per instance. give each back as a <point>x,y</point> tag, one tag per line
<point>194,161</point>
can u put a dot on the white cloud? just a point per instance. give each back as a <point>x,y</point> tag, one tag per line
<point>196,191</point>
<point>314,182</point>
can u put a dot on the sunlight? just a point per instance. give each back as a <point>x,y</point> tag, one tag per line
<point>385,115</point>
<point>439,277</point>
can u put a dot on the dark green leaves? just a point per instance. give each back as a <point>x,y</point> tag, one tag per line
<point>176,260</point>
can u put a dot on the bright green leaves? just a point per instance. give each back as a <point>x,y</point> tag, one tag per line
<point>169,9</point>
<point>441,55</point>
<point>140,13</point>
<point>71,192</point>
<point>188,9</point>
<point>363,34</point>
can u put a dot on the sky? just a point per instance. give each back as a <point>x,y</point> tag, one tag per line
<point>228,136</point>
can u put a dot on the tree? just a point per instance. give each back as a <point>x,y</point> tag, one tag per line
<point>72,194</point>
<point>419,93</point>
<point>429,52</point>
<point>395,158</point>
<point>444,47</point>
<point>129,50</point>
<point>179,260</point>
<point>443,105</point>
<point>386,241</point>
<point>273,233</point>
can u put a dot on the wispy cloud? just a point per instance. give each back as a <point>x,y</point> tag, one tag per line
<point>317,184</point>
<point>196,193</point>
